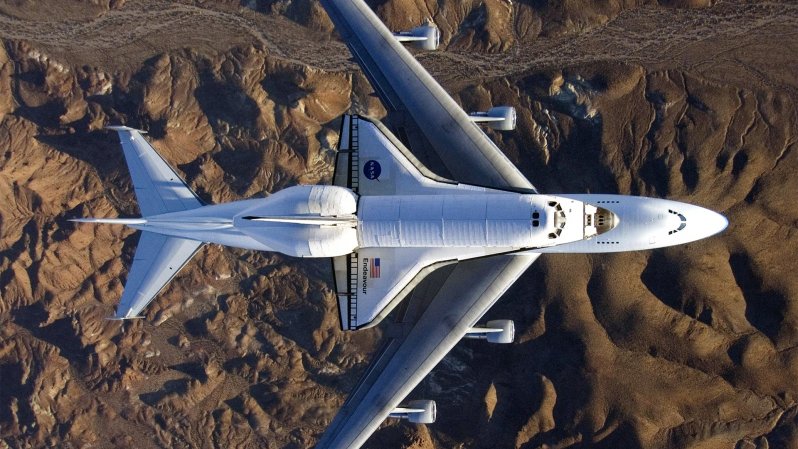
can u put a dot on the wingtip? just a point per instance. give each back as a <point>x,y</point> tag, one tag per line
<point>120,221</point>
<point>124,128</point>
<point>124,318</point>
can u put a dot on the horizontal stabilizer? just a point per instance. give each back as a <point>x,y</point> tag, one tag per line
<point>158,188</point>
<point>158,259</point>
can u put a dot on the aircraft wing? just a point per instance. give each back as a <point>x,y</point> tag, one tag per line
<point>438,314</point>
<point>158,259</point>
<point>422,111</point>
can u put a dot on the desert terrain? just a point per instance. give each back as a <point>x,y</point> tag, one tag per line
<point>686,347</point>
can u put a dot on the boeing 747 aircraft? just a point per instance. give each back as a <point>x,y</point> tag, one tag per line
<point>390,224</point>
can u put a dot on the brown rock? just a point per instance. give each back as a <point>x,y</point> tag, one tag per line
<point>686,347</point>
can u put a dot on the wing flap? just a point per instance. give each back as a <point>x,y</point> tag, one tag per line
<point>157,260</point>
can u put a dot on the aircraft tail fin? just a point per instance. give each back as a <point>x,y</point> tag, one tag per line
<point>159,189</point>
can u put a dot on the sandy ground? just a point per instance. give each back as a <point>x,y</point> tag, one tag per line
<point>686,347</point>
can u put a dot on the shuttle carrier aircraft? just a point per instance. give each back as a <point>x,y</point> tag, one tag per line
<point>444,245</point>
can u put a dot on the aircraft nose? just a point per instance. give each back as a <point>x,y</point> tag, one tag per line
<point>711,222</point>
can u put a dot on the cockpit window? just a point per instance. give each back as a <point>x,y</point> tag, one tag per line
<point>681,217</point>
<point>559,219</point>
<point>683,220</point>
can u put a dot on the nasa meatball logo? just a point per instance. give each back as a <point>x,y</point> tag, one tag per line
<point>372,170</point>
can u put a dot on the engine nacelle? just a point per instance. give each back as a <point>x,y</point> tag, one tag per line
<point>425,37</point>
<point>500,118</point>
<point>505,336</point>
<point>419,412</point>
<point>495,331</point>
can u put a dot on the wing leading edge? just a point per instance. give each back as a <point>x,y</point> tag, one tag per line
<point>405,86</point>
<point>424,334</point>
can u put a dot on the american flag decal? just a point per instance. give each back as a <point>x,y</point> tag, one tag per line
<point>375,267</point>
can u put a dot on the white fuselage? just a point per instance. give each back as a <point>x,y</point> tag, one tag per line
<point>487,219</point>
<point>328,221</point>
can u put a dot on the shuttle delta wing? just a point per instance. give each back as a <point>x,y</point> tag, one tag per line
<point>427,112</point>
<point>158,188</point>
<point>438,314</point>
<point>158,259</point>
<point>371,282</point>
<point>371,161</point>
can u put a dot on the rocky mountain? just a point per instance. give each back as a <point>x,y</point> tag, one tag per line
<point>685,347</point>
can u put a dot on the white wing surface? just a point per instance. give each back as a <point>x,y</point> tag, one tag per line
<point>372,281</point>
<point>158,188</point>
<point>406,89</point>
<point>438,315</point>
<point>372,161</point>
<point>158,259</point>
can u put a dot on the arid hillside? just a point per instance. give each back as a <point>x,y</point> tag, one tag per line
<point>686,347</point>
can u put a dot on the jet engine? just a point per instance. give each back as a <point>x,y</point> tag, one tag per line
<point>500,118</point>
<point>495,331</point>
<point>418,412</point>
<point>425,37</point>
